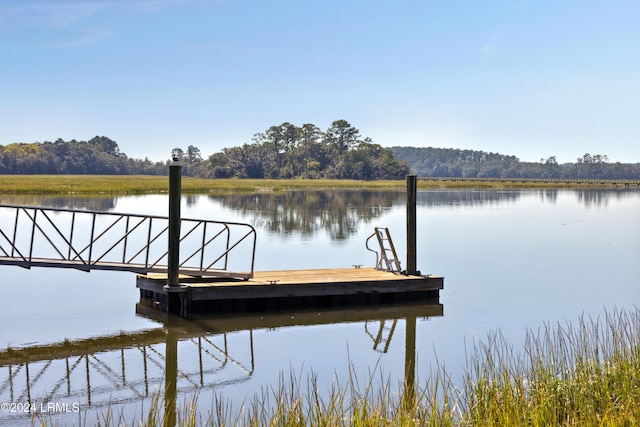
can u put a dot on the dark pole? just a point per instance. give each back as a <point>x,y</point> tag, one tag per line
<point>170,378</point>
<point>410,363</point>
<point>411,225</point>
<point>175,189</point>
<point>173,288</point>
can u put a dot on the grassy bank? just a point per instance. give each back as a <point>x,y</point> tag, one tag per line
<point>581,374</point>
<point>145,184</point>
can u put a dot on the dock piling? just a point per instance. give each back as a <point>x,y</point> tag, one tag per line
<point>411,225</point>
<point>173,262</point>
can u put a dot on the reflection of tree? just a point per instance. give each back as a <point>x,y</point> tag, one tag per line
<point>340,213</point>
<point>102,204</point>
<point>337,212</point>
<point>452,198</point>
<point>599,198</point>
<point>592,198</point>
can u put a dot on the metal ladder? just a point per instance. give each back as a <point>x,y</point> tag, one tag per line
<point>388,258</point>
<point>382,339</point>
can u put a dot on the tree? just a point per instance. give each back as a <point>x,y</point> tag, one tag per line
<point>105,145</point>
<point>311,150</point>
<point>342,136</point>
<point>193,154</point>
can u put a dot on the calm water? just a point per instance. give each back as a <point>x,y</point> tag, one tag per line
<point>512,260</point>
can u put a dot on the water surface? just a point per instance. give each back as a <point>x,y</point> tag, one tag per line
<point>512,260</point>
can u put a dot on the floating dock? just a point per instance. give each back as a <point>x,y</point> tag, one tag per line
<point>287,289</point>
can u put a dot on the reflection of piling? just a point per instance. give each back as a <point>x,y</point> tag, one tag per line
<point>411,225</point>
<point>170,379</point>
<point>410,363</point>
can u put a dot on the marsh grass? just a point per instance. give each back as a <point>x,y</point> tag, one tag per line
<point>582,374</point>
<point>97,185</point>
<point>571,375</point>
<point>144,184</point>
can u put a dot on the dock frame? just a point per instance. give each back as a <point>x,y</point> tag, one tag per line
<point>288,289</point>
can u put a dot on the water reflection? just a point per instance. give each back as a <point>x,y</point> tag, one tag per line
<point>341,213</point>
<point>338,213</point>
<point>202,354</point>
<point>527,237</point>
<point>592,198</point>
<point>105,204</point>
<point>466,198</point>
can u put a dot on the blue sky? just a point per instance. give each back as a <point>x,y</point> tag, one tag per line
<point>529,78</point>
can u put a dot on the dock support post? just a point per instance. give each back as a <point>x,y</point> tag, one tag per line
<point>412,269</point>
<point>173,264</point>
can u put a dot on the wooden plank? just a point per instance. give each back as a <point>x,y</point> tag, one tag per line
<point>299,277</point>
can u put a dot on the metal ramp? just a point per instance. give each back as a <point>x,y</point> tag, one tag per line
<point>91,240</point>
<point>387,258</point>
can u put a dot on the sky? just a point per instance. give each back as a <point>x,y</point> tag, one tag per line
<point>533,79</point>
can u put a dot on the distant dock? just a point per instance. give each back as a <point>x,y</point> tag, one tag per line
<point>288,289</point>
<point>571,182</point>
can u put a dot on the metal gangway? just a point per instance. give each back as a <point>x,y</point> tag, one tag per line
<point>86,240</point>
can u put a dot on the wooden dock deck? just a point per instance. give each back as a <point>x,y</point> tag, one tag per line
<point>284,289</point>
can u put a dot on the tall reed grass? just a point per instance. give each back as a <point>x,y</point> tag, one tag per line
<point>572,374</point>
<point>586,374</point>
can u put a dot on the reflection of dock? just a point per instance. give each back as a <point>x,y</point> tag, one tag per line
<point>235,322</point>
<point>276,290</point>
<point>211,325</point>
<point>203,353</point>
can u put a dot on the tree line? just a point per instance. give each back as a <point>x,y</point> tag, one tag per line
<point>451,162</point>
<point>97,156</point>
<point>282,151</point>
<point>290,151</point>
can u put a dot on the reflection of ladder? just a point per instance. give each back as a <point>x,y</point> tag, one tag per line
<point>388,259</point>
<point>380,341</point>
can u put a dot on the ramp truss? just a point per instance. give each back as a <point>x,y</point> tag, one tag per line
<point>91,240</point>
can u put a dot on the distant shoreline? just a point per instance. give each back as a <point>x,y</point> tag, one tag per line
<point>83,185</point>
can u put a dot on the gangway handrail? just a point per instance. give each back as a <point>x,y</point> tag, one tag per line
<point>366,244</point>
<point>110,246</point>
